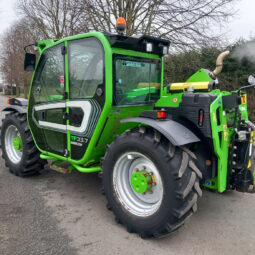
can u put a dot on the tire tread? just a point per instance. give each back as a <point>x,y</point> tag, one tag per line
<point>31,163</point>
<point>188,176</point>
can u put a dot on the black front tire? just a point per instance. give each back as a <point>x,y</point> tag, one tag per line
<point>30,162</point>
<point>178,172</point>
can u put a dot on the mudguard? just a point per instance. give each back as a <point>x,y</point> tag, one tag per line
<point>175,132</point>
<point>15,108</point>
<point>17,105</point>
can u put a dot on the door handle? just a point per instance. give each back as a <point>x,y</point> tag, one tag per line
<point>41,115</point>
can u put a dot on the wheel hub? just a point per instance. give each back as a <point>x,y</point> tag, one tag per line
<point>138,184</point>
<point>141,181</point>
<point>17,143</point>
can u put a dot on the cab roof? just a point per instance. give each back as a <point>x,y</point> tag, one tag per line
<point>136,43</point>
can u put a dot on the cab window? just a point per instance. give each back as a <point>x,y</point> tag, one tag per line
<point>137,80</point>
<point>86,67</point>
<point>48,84</point>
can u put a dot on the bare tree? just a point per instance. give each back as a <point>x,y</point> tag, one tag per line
<point>53,18</point>
<point>187,23</point>
<point>12,54</point>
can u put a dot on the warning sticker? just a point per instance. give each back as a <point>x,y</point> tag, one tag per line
<point>62,81</point>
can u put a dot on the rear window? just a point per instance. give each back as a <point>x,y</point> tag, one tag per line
<point>137,80</point>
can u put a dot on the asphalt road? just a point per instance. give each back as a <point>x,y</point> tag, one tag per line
<point>55,214</point>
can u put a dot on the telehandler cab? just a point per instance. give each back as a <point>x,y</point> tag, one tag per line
<point>97,102</point>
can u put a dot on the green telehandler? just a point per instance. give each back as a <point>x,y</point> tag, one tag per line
<point>97,103</point>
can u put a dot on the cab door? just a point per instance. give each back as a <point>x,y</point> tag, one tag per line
<point>86,92</point>
<point>47,102</point>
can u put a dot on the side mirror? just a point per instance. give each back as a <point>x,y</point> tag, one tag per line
<point>29,63</point>
<point>251,80</point>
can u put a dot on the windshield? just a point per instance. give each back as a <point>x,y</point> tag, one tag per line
<point>137,80</point>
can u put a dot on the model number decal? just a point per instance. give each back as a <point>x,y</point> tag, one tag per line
<point>79,139</point>
<point>82,139</point>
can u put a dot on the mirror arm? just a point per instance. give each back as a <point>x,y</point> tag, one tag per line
<point>29,45</point>
<point>245,87</point>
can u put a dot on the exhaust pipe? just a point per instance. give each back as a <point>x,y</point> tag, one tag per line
<point>219,64</point>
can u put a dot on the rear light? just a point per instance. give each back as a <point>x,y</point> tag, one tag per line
<point>8,101</point>
<point>201,118</point>
<point>161,115</point>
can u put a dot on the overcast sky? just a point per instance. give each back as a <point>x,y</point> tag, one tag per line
<point>243,26</point>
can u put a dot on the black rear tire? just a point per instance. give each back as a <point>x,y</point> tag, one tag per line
<point>30,162</point>
<point>178,172</point>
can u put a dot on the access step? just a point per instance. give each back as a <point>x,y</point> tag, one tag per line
<point>60,167</point>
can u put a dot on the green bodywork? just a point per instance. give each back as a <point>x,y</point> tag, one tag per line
<point>110,114</point>
<point>109,124</point>
<point>221,134</point>
<point>199,76</point>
